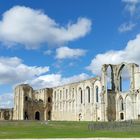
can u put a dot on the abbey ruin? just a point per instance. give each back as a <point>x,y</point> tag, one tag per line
<point>96,99</point>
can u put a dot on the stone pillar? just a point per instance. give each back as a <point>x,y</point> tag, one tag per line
<point>104,103</point>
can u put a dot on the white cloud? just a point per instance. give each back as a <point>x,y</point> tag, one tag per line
<point>29,27</point>
<point>131,6</point>
<point>53,80</point>
<point>48,52</point>
<point>7,100</point>
<point>50,80</point>
<point>130,54</point>
<point>66,52</point>
<point>125,27</point>
<point>12,70</point>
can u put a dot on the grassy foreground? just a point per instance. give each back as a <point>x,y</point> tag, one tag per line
<point>55,129</point>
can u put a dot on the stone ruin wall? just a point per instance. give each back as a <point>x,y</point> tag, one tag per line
<point>88,100</point>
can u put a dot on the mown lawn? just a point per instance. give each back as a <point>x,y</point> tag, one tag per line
<point>58,129</point>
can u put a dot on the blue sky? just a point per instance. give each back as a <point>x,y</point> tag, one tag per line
<point>50,42</point>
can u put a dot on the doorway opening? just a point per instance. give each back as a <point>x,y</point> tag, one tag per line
<point>121,116</point>
<point>49,115</point>
<point>37,116</point>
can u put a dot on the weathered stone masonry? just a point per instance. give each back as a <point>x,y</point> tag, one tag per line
<point>96,99</point>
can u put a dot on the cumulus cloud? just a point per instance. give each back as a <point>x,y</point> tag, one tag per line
<point>50,80</point>
<point>13,70</point>
<point>130,54</point>
<point>31,28</point>
<point>7,100</point>
<point>125,27</point>
<point>66,52</point>
<point>131,6</point>
<point>53,80</point>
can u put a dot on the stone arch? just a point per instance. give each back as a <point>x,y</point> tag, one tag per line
<point>129,108</point>
<point>123,77</point>
<point>37,115</point>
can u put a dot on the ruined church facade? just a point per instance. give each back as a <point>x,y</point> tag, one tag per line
<point>97,99</point>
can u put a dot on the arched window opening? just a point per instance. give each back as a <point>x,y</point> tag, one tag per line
<point>121,116</point>
<point>55,95</point>
<point>49,100</point>
<point>109,78</point>
<point>66,93</point>
<point>88,92</point>
<point>81,95</point>
<point>26,98</point>
<point>69,95</point>
<point>97,94</point>
<point>121,105</point>
<point>124,79</point>
<point>60,94</point>
<point>73,93</point>
<point>63,95</point>
<point>25,115</point>
<point>37,116</point>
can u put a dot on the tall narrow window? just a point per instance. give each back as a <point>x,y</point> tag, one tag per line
<point>121,104</point>
<point>122,107</point>
<point>81,94</point>
<point>55,95</point>
<point>124,77</point>
<point>26,98</point>
<point>97,96</point>
<point>88,92</point>
<point>73,93</point>
<point>66,93</point>
<point>49,100</point>
<point>109,77</point>
<point>81,97</point>
<point>60,94</point>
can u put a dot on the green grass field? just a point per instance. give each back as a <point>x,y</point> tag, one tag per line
<point>55,129</point>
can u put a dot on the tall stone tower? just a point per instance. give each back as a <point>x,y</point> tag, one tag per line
<point>22,93</point>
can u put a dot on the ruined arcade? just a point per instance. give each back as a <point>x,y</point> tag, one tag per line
<point>97,99</point>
